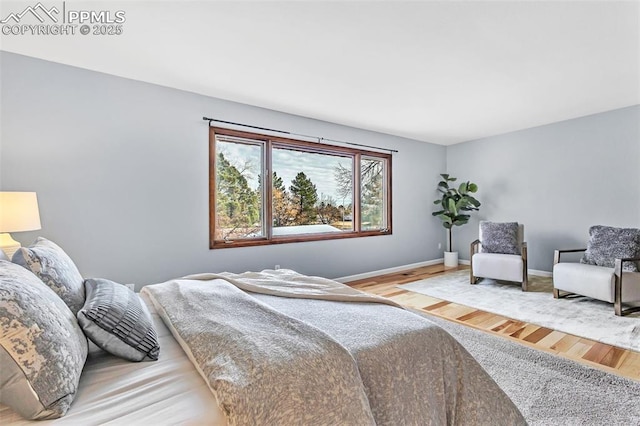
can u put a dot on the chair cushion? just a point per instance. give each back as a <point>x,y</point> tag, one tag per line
<point>607,243</point>
<point>506,267</point>
<point>595,281</point>
<point>499,237</point>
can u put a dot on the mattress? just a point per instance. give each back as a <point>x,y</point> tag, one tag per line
<point>118,392</point>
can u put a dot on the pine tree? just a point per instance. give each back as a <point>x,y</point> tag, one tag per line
<point>305,196</point>
<point>277,183</point>
<point>237,205</point>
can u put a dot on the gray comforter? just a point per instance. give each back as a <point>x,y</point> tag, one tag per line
<point>274,351</point>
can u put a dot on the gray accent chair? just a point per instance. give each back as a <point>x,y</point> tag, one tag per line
<point>506,267</point>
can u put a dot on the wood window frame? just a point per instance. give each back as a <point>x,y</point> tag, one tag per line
<point>271,142</point>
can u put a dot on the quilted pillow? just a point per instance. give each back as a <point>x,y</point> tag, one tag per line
<point>499,237</point>
<point>55,268</point>
<point>42,349</point>
<point>607,243</point>
<point>116,320</point>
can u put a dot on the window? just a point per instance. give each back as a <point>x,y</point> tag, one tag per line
<point>271,190</point>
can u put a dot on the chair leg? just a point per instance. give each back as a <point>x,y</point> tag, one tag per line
<point>617,299</point>
<point>525,268</point>
<point>472,278</point>
<point>556,293</point>
<point>617,308</point>
<point>525,282</point>
<point>617,288</point>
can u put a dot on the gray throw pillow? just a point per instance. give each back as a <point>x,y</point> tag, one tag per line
<point>42,349</point>
<point>607,243</point>
<point>55,268</point>
<point>499,237</point>
<point>3,256</point>
<point>116,320</point>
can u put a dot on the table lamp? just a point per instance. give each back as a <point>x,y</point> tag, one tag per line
<point>18,212</point>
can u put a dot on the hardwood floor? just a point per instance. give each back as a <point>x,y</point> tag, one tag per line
<point>609,358</point>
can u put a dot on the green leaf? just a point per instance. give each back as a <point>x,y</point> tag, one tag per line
<point>462,189</point>
<point>443,185</point>
<point>445,176</point>
<point>473,187</point>
<point>473,201</point>
<point>452,179</point>
<point>437,202</point>
<point>445,218</point>
<point>452,206</point>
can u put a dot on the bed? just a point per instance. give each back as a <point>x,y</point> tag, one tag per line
<point>274,347</point>
<point>118,392</point>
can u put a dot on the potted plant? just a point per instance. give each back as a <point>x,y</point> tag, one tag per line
<point>453,205</point>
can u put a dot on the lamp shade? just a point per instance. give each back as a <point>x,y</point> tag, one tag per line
<point>19,212</point>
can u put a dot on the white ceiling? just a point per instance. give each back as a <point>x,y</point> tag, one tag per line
<point>442,72</point>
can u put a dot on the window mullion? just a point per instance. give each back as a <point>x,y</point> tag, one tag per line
<point>387,197</point>
<point>268,190</point>
<point>356,195</point>
<point>212,187</point>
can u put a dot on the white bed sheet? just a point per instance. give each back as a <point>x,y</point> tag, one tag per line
<point>118,392</point>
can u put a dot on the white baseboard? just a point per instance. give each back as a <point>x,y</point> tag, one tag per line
<point>540,273</point>
<point>388,270</point>
<point>365,275</point>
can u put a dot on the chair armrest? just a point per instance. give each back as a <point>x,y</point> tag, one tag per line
<point>630,259</point>
<point>474,247</point>
<point>557,253</point>
<point>619,262</point>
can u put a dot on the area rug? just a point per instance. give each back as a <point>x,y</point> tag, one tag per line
<point>580,316</point>
<point>550,390</point>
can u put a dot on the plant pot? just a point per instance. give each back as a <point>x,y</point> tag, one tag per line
<point>450,259</point>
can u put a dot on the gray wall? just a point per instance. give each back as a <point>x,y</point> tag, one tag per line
<point>121,172</point>
<point>121,169</point>
<point>557,179</point>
